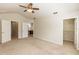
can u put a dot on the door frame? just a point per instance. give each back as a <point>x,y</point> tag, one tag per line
<point>17,28</point>
<point>75,34</point>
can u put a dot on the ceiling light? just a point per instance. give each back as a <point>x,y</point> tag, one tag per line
<point>29,10</point>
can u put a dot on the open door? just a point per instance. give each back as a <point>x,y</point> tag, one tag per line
<point>24,30</point>
<point>14,30</point>
<point>6,31</point>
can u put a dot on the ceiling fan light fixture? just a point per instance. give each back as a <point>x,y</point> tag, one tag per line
<point>29,10</point>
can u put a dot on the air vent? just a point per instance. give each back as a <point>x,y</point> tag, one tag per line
<point>55,12</point>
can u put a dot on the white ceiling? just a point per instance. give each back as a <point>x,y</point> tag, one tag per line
<point>45,8</point>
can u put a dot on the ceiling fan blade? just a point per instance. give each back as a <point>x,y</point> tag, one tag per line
<point>25,10</point>
<point>30,4</point>
<point>22,6</point>
<point>33,12</point>
<point>35,8</point>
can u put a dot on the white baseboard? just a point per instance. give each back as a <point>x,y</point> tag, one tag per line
<point>69,40</point>
<point>5,41</point>
<point>47,40</point>
<point>23,38</point>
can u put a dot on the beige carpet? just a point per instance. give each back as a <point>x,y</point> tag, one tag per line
<point>30,46</point>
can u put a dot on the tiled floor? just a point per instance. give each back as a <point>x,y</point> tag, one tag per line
<point>35,46</point>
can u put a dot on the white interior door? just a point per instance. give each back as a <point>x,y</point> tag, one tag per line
<point>6,31</point>
<point>24,30</point>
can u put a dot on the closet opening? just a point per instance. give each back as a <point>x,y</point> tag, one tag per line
<point>69,32</point>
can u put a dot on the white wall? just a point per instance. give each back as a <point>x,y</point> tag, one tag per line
<point>50,28</point>
<point>16,17</point>
<point>19,30</point>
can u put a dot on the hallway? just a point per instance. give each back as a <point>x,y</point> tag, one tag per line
<point>33,46</point>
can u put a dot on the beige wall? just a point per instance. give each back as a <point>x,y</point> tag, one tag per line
<point>69,29</point>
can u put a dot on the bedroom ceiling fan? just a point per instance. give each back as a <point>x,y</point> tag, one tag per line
<point>29,8</point>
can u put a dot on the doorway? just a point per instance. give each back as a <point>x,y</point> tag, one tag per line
<point>69,31</point>
<point>30,31</point>
<point>24,30</point>
<point>14,30</point>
